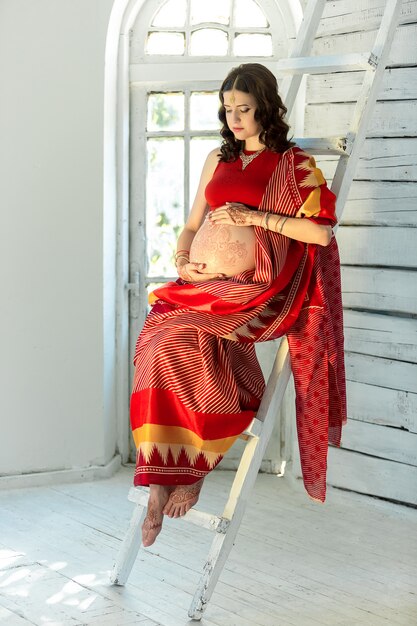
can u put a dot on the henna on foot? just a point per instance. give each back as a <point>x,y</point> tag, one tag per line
<point>152,524</point>
<point>182,498</point>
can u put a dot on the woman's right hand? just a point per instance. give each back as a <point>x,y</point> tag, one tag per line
<point>193,273</point>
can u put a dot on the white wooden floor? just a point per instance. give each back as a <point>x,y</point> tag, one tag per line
<point>349,562</point>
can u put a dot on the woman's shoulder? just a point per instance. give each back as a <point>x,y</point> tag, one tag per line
<point>303,168</point>
<point>298,159</point>
<point>214,155</point>
<point>211,162</point>
<point>295,151</point>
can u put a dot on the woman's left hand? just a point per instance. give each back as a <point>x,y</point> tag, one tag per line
<point>232,213</point>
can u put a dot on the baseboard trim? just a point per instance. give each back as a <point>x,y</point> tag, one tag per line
<point>42,479</point>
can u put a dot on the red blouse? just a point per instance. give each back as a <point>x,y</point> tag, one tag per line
<point>232,184</point>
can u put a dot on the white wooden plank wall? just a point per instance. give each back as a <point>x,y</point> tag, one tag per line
<point>378,244</point>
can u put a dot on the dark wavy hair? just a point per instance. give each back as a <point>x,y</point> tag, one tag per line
<point>257,80</point>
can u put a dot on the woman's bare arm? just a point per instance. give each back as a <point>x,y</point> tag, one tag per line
<point>194,271</point>
<point>298,228</point>
<point>198,210</point>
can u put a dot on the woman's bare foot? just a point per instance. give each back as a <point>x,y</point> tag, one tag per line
<point>182,498</point>
<point>152,525</point>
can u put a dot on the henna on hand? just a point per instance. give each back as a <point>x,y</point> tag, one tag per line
<point>197,275</point>
<point>182,272</point>
<point>236,215</point>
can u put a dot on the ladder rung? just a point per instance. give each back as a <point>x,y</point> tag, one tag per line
<point>207,520</point>
<point>323,145</point>
<point>326,64</point>
<point>140,495</point>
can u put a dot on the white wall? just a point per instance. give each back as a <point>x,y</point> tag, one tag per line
<point>52,412</point>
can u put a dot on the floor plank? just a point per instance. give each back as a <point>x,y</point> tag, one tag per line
<point>295,562</point>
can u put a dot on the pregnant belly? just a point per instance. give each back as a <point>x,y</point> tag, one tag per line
<point>224,248</point>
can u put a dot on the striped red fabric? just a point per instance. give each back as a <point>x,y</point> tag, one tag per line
<point>197,381</point>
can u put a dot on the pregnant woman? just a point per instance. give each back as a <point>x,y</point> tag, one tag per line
<point>257,259</point>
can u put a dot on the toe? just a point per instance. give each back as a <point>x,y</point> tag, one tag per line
<point>149,536</point>
<point>167,508</point>
<point>150,533</point>
<point>181,510</point>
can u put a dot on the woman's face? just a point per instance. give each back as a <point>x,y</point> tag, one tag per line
<point>240,110</point>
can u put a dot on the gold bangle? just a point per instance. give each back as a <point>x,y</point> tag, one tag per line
<point>282,225</point>
<point>277,223</point>
<point>181,256</point>
<point>264,220</point>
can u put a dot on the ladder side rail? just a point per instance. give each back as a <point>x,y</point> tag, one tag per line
<point>365,104</point>
<point>302,47</point>
<point>243,483</point>
<point>129,549</point>
<point>270,406</point>
<point>308,27</point>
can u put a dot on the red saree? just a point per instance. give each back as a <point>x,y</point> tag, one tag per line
<point>197,381</point>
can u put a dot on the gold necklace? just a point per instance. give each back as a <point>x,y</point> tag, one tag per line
<point>248,158</point>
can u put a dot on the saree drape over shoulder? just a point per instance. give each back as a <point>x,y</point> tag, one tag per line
<point>197,381</point>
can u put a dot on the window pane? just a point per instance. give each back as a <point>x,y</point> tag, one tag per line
<point>165,43</point>
<point>199,149</point>
<point>203,110</point>
<point>172,13</point>
<point>210,11</point>
<point>208,42</point>
<point>165,111</point>
<point>164,202</point>
<point>253,45</point>
<point>248,13</point>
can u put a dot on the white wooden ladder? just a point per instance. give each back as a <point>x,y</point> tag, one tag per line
<point>260,430</point>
